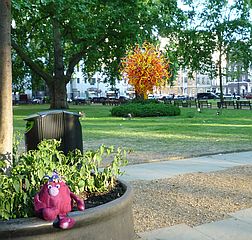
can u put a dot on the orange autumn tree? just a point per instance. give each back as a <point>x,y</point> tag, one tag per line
<point>145,67</point>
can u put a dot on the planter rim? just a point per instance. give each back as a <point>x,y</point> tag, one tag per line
<point>86,217</point>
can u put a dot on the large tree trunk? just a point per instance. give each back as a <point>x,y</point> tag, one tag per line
<point>57,81</point>
<point>57,87</point>
<point>56,84</point>
<point>58,93</point>
<point>6,117</point>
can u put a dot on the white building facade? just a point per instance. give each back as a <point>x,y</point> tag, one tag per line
<point>186,84</point>
<point>96,86</point>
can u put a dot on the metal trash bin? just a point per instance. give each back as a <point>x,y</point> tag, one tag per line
<point>56,124</point>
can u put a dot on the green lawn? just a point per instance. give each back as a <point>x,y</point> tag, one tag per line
<point>189,134</point>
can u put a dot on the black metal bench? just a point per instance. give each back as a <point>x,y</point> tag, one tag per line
<point>185,103</point>
<point>226,104</point>
<point>111,102</point>
<point>243,103</point>
<point>178,103</point>
<point>204,103</point>
<point>192,103</point>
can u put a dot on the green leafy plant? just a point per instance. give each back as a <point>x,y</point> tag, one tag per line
<point>145,109</point>
<point>82,172</point>
<point>17,139</point>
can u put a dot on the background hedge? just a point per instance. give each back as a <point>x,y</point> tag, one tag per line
<point>145,109</point>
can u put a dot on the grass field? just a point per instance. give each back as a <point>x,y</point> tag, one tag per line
<point>159,138</point>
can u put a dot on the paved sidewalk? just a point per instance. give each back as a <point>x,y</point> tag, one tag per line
<point>237,227</point>
<point>166,169</point>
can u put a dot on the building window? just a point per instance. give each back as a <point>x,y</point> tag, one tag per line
<point>92,81</point>
<point>78,67</point>
<point>85,80</point>
<point>78,80</point>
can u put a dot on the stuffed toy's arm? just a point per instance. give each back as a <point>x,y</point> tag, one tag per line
<point>38,204</point>
<point>80,203</point>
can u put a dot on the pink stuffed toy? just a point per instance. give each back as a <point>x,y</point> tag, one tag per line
<point>55,200</point>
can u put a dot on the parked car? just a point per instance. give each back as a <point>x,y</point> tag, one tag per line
<point>207,95</point>
<point>151,96</point>
<point>248,96</point>
<point>123,98</point>
<point>230,96</point>
<point>181,97</point>
<point>166,97</point>
<point>79,100</point>
<point>98,100</point>
<point>37,100</point>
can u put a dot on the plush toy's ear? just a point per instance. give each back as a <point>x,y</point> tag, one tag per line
<point>45,179</point>
<point>55,175</point>
<point>54,178</point>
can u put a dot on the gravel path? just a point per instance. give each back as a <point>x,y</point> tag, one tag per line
<point>192,199</point>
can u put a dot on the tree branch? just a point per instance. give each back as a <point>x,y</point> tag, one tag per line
<point>33,66</point>
<point>73,61</point>
<point>75,58</point>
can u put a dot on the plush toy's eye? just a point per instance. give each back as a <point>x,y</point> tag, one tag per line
<point>49,186</point>
<point>57,186</point>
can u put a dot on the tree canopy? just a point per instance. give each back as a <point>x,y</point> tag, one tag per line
<point>51,37</point>
<point>215,29</point>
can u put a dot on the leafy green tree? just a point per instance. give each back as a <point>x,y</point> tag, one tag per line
<point>240,56</point>
<point>216,27</point>
<point>6,118</point>
<point>20,75</point>
<point>192,49</point>
<point>230,26</point>
<point>51,37</point>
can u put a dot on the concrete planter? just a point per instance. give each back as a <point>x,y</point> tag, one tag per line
<point>110,221</point>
